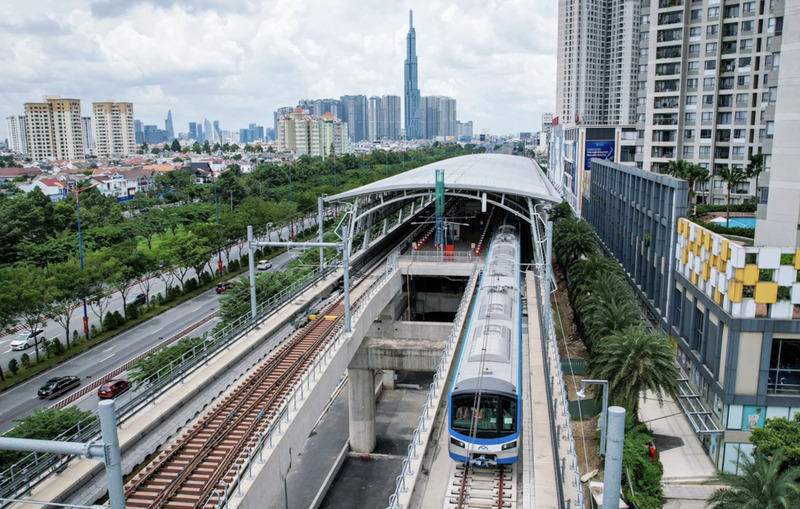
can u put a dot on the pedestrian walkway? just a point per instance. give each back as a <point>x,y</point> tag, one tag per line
<point>686,464</point>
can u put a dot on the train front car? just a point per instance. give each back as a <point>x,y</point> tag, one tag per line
<point>485,407</point>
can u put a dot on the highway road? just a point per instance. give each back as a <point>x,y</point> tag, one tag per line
<point>21,400</point>
<point>157,285</point>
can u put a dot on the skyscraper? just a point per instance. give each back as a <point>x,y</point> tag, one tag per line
<point>412,113</point>
<point>438,116</point>
<point>113,123</point>
<point>354,111</point>
<point>17,135</point>
<point>54,128</point>
<point>138,131</point>
<point>193,131</point>
<point>89,142</point>
<point>168,126</point>
<point>598,52</point>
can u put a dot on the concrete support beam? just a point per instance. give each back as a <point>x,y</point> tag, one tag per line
<point>421,355</point>
<point>362,410</point>
<point>388,379</point>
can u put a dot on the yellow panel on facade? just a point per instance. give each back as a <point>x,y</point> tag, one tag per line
<point>706,271</point>
<point>694,277</point>
<point>718,296</point>
<point>797,259</point>
<point>750,275</point>
<point>685,255</point>
<point>735,289</point>
<point>725,251</point>
<point>721,264</point>
<point>696,248</point>
<point>707,241</point>
<point>738,275</point>
<point>712,259</point>
<point>766,292</point>
<point>680,226</point>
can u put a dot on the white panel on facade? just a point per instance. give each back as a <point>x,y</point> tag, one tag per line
<point>735,417</point>
<point>769,258</point>
<point>777,411</point>
<point>786,275</point>
<point>714,278</point>
<point>737,256</point>
<point>796,293</point>
<point>716,246</point>
<point>781,310</point>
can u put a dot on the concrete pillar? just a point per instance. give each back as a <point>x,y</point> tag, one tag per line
<point>388,379</point>
<point>362,410</point>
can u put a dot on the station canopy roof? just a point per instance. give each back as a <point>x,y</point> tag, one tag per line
<point>493,173</point>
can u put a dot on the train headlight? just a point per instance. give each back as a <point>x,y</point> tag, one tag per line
<point>509,445</point>
<point>457,442</point>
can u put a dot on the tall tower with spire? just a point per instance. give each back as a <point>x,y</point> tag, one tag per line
<point>168,126</point>
<point>412,114</point>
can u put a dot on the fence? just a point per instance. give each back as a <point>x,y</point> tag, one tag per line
<point>410,466</point>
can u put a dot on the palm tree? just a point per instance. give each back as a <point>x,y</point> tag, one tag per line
<point>634,361</point>
<point>691,173</point>
<point>590,268</point>
<point>731,177</point>
<point>573,239</point>
<point>760,484</point>
<point>754,169</point>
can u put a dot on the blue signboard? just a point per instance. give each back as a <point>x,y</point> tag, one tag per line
<point>600,150</point>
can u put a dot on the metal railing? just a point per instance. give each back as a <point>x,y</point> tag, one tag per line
<point>432,400</point>
<point>243,466</point>
<point>35,467</point>
<point>443,257</point>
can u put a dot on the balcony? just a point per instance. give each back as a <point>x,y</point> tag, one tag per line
<point>663,152</point>
<point>664,136</point>
<point>663,4</point>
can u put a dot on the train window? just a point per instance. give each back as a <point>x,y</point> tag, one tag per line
<point>509,412</point>
<point>472,414</point>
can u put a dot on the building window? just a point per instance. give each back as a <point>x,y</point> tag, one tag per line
<point>645,19</point>
<point>694,66</point>
<point>688,150</point>
<point>708,82</point>
<point>708,99</point>
<point>694,32</point>
<point>688,134</point>
<point>691,83</point>
<point>705,134</point>
<point>744,61</point>
<point>711,48</point>
<point>743,81</point>
<point>741,99</point>
<point>705,151</point>
<point>741,116</point>
<point>697,330</point>
<point>747,26</point>
<point>784,367</point>
<point>691,118</point>
<point>737,151</point>
<point>696,14</point>
<point>694,49</point>
<point>739,134</point>
<point>746,44</point>
<point>710,65</point>
<point>749,7</point>
<point>713,12</point>
<point>770,129</point>
<point>712,30</point>
<point>691,99</point>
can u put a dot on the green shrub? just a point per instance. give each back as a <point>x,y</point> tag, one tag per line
<point>118,318</point>
<point>13,366</point>
<point>56,346</point>
<point>724,230</point>
<point>25,360</point>
<point>739,207</point>
<point>190,286</point>
<point>233,265</point>
<point>643,473</point>
<point>109,322</point>
<point>132,311</point>
<point>205,278</point>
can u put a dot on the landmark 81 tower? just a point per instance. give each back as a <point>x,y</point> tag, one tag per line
<point>412,115</point>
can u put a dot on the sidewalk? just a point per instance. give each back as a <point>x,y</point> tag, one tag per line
<point>686,464</point>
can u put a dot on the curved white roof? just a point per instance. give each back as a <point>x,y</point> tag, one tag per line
<point>494,173</point>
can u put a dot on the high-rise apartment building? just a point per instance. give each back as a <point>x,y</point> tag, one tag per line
<point>89,140</point>
<point>708,89</point>
<point>464,131</point>
<point>17,135</point>
<point>354,110</point>
<point>306,134</point>
<point>547,123</point>
<point>438,116</point>
<point>384,117</point>
<point>413,121</point>
<point>54,128</point>
<point>597,55</point>
<point>193,131</point>
<point>114,128</point>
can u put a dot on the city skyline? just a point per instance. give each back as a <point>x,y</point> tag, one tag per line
<point>497,61</point>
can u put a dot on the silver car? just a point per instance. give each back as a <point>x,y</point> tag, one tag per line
<point>26,339</point>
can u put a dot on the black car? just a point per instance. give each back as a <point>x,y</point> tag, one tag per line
<point>139,299</point>
<point>57,386</point>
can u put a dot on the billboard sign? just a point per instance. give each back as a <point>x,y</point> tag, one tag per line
<point>600,150</point>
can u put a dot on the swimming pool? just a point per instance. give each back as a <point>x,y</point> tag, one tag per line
<point>741,222</point>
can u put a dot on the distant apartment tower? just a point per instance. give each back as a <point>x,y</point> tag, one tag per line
<point>547,123</point>
<point>17,135</point>
<point>114,128</point>
<point>708,91</point>
<point>355,114</point>
<point>597,55</point>
<point>192,131</point>
<point>89,140</point>
<point>464,130</point>
<point>279,114</point>
<point>306,134</point>
<point>54,128</point>
<point>384,117</point>
<point>438,116</point>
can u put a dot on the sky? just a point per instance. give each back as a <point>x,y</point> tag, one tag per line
<point>237,61</point>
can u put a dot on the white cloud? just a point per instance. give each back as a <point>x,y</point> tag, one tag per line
<point>238,61</point>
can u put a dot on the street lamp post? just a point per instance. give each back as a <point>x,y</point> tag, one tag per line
<point>604,414</point>
<point>80,253</point>
<point>290,184</point>
<point>216,207</point>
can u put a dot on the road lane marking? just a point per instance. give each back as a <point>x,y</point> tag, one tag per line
<point>106,358</point>
<point>108,349</point>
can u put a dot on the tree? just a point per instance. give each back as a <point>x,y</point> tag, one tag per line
<point>691,173</point>
<point>196,147</point>
<point>634,361</point>
<point>207,147</point>
<point>761,484</point>
<point>30,292</point>
<point>184,251</point>
<point>779,434</point>
<point>145,147</point>
<point>128,267</point>
<point>573,239</point>
<point>71,285</point>
<point>731,177</point>
<point>754,169</point>
<point>176,145</point>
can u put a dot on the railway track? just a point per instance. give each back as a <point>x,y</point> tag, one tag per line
<point>194,471</point>
<point>476,487</point>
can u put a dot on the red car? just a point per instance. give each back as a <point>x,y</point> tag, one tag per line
<point>225,285</point>
<point>113,388</point>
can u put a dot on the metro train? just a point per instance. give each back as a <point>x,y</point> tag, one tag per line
<point>485,409</point>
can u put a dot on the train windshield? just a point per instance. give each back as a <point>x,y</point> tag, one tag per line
<point>486,416</point>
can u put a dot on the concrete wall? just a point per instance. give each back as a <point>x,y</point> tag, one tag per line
<point>410,330</point>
